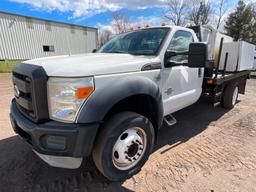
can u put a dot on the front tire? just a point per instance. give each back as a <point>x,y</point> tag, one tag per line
<point>123,146</point>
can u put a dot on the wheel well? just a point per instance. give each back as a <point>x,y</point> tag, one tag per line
<point>142,104</point>
<point>241,82</point>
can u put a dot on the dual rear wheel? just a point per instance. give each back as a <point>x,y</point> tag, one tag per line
<point>230,95</point>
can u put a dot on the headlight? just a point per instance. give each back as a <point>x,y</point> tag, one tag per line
<point>66,96</point>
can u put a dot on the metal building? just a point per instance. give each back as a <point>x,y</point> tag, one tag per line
<point>23,37</point>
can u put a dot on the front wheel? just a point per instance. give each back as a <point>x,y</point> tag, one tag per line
<point>123,146</point>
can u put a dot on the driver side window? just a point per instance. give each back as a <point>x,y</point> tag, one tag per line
<point>180,43</point>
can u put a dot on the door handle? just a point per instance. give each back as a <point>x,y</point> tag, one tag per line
<point>199,72</point>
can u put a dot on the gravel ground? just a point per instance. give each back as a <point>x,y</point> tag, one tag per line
<point>210,149</point>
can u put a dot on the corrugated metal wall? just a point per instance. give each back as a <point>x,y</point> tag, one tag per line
<point>23,38</point>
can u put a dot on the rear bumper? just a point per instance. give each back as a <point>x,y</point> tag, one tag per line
<point>55,138</point>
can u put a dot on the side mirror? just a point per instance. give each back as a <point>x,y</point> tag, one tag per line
<point>198,54</point>
<point>94,50</point>
<point>169,54</point>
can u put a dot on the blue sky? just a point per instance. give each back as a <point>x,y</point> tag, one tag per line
<point>90,12</point>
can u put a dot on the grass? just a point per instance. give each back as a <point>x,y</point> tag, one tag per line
<point>8,65</point>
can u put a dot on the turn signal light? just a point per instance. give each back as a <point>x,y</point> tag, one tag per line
<point>84,92</point>
<point>210,81</point>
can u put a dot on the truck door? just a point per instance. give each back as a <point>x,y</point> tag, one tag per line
<point>182,86</point>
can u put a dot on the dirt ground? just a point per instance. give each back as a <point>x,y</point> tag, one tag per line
<point>210,149</point>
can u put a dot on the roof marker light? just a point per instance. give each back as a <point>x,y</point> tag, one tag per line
<point>164,24</point>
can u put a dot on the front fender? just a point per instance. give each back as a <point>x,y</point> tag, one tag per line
<point>105,98</point>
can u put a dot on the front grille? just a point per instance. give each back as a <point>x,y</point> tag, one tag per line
<point>23,96</point>
<point>30,89</point>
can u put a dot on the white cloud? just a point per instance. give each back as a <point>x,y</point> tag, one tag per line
<point>106,27</point>
<point>151,21</point>
<point>82,8</point>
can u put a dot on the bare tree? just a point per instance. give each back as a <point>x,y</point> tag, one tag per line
<point>120,22</point>
<point>253,6</point>
<point>104,36</point>
<point>176,11</point>
<point>200,12</point>
<point>221,6</point>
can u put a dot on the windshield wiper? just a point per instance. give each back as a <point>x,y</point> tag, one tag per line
<point>118,52</point>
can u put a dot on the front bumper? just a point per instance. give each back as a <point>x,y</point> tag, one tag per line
<point>55,138</point>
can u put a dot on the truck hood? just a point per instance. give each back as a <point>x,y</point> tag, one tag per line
<point>91,64</point>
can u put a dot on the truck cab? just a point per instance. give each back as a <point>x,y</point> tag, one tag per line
<point>109,104</point>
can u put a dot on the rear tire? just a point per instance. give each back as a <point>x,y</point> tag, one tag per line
<point>123,146</point>
<point>230,95</point>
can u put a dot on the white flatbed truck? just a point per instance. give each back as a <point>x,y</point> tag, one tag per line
<point>112,103</point>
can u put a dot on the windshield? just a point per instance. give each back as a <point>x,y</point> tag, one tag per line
<point>145,42</point>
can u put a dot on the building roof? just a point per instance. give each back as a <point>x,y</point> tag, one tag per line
<point>36,18</point>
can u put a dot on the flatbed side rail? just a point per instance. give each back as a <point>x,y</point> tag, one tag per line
<point>228,77</point>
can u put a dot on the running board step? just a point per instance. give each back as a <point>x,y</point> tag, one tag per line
<point>170,120</point>
<point>217,99</point>
<point>218,94</point>
<point>217,104</point>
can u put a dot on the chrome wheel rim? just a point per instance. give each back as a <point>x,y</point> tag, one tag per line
<point>235,96</point>
<point>129,148</point>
